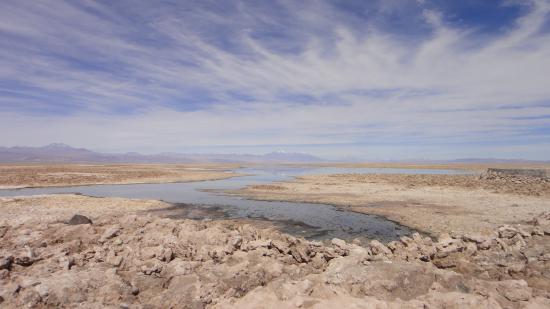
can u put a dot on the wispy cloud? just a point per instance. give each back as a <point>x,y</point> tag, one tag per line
<point>138,76</point>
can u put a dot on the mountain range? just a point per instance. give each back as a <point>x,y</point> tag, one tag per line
<point>61,153</point>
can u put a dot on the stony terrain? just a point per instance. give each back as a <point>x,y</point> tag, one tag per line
<point>20,176</point>
<point>120,258</point>
<point>431,203</point>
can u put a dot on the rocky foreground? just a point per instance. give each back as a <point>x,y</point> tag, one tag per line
<point>144,261</point>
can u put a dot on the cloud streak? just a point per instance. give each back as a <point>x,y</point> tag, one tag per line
<point>128,76</point>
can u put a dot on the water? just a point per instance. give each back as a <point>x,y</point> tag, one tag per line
<point>312,221</point>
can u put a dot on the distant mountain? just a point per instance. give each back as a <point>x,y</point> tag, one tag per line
<point>61,153</point>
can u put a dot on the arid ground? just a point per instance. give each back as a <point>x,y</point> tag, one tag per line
<point>127,254</point>
<point>21,176</point>
<point>430,203</point>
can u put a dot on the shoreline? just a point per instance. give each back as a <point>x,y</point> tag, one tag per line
<point>68,175</point>
<point>430,203</point>
<point>231,175</point>
<point>338,207</point>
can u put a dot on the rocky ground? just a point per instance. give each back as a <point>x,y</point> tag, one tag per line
<point>431,203</point>
<point>124,258</point>
<point>21,176</point>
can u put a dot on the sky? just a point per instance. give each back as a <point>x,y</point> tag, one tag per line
<point>372,80</point>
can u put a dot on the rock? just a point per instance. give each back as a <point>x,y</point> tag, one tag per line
<point>113,259</point>
<point>477,238</point>
<point>24,260</point>
<point>447,262</point>
<point>6,262</point>
<point>545,228</point>
<point>42,290</point>
<point>179,267</point>
<point>417,238</point>
<point>538,231</point>
<point>378,248</point>
<point>300,254</point>
<point>282,246</point>
<point>3,231</point>
<point>4,273</point>
<point>236,241</point>
<point>516,268</point>
<point>507,231</point>
<point>151,266</point>
<point>169,264</point>
<point>445,251</point>
<point>304,287</point>
<point>514,290</point>
<point>285,291</point>
<point>166,255</point>
<point>485,245</point>
<point>15,289</point>
<point>342,248</point>
<point>444,239</point>
<point>393,245</point>
<point>471,249</point>
<point>30,252</point>
<point>523,232</point>
<point>318,261</point>
<point>339,243</point>
<point>109,233</point>
<point>149,252</point>
<point>79,219</point>
<point>255,244</point>
<point>67,262</point>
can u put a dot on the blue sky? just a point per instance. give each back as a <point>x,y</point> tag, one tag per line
<point>389,79</point>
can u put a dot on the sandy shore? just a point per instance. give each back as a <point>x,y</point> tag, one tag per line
<point>129,256</point>
<point>21,176</point>
<point>430,203</point>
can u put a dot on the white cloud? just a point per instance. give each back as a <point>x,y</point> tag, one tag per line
<point>374,88</point>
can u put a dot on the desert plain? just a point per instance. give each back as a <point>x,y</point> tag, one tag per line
<point>484,242</point>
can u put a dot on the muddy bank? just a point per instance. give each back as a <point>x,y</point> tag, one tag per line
<point>24,176</point>
<point>130,258</point>
<point>431,203</point>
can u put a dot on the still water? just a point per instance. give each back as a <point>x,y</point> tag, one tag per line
<point>312,221</point>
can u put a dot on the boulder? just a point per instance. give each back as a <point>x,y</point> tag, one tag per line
<point>79,219</point>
